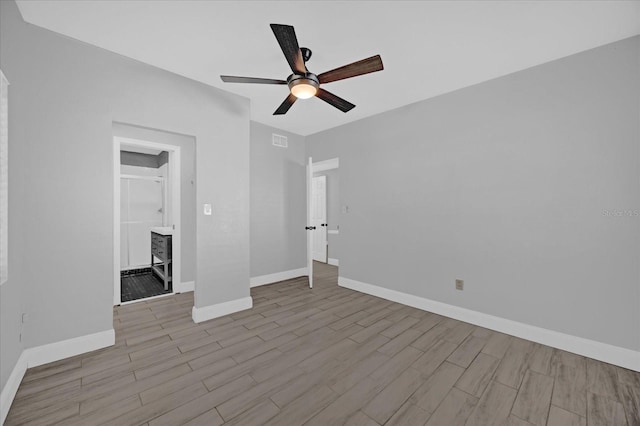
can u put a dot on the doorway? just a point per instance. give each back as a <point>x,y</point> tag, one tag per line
<point>147,251</point>
<point>319,218</point>
<point>321,200</point>
<point>143,208</point>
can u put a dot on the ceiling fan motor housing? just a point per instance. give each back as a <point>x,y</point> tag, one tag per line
<point>306,53</point>
<point>307,79</point>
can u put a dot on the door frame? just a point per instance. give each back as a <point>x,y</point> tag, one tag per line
<point>174,181</point>
<point>319,166</point>
<point>309,224</point>
<point>322,227</point>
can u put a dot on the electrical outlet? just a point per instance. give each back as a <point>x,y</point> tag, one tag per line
<point>459,284</point>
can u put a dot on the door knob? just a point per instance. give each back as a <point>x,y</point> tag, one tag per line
<point>310,228</point>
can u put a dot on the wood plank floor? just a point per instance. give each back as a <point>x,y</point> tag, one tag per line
<point>327,356</point>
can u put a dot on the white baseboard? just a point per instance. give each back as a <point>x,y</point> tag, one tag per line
<point>334,262</point>
<point>221,309</point>
<point>70,347</point>
<point>11,387</point>
<point>185,287</point>
<point>51,352</point>
<point>616,355</point>
<point>278,276</point>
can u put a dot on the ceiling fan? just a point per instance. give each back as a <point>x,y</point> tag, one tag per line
<point>303,84</point>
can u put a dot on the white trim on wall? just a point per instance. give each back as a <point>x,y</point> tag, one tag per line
<point>153,178</point>
<point>622,357</point>
<point>221,309</point>
<point>4,179</point>
<point>334,262</point>
<point>321,166</point>
<point>71,347</point>
<point>278,276</point>
<point>184,287</point>
<point>117,297</point>
<point>44,354</point>
<point>11,387</point>
<point>333,232</point>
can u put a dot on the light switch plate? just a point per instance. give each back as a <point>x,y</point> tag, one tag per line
<point>207,209</point>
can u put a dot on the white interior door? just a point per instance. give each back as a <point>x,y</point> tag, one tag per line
<point>309,226</point>
<point>319,218</point>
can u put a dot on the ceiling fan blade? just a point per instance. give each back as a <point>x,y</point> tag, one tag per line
<point>284,106</point>
<point>354,69</point>
<point>286,36</point>
<point>235,79</point>
<point>334,100</point>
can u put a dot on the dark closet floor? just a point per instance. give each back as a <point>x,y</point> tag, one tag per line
<point>141,285</point>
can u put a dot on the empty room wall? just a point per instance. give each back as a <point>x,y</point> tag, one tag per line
<point>278,202</point>
<point>512,185</point>
<point>65,96</point>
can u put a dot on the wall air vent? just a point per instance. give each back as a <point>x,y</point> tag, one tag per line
<point>279,140</point>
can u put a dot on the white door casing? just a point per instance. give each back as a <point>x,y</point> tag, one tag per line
<point>309,225</point>
<point>319,218</point>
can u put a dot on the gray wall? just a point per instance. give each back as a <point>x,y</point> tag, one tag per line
<point>333,209</point>
<point>278,202</point>
<point>505,185</point>
<point>187,146</point>
<point>65,95</point>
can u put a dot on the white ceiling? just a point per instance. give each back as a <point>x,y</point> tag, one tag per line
<point>428,48</point>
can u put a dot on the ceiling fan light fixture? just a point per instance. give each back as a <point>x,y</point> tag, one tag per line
<point>304,91</point>
<point>303,87</point>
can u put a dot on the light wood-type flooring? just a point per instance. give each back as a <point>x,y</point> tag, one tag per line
<point>327,356</point>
